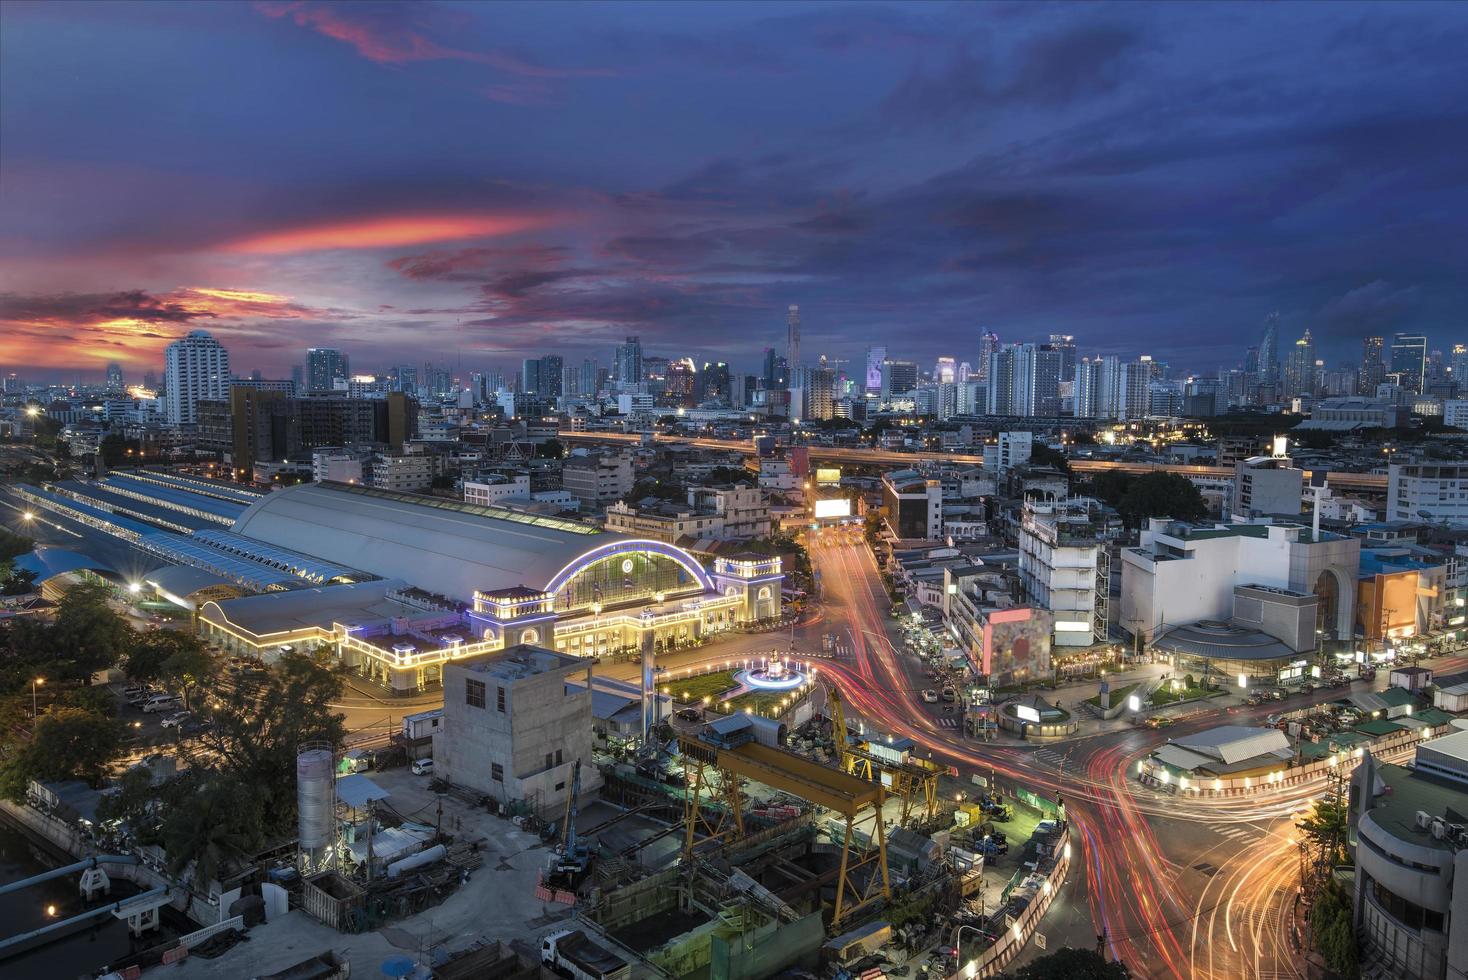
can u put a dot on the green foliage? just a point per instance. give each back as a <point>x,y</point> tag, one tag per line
<point>1325,828</point>
<point>1155,494</point>
<point>1043,455</point>
<point>550,449</point>
<point>1334,937</point>
<point>14,545</point>
<point>1070,964</point>
<point>69,743</point>
<point>88,632</point>
<point>670,490</point>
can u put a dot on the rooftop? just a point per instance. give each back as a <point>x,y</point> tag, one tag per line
<point>522,661</point>
<point>1220,641</point>
<point>1412,790</point>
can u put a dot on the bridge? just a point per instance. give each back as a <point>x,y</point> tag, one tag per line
<point>1342,480</point>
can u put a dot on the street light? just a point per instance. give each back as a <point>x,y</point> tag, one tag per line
<point>35,683</point>
<point>973,967</point>
<point>29,516</point>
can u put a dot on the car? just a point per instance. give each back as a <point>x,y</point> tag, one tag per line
<point>930,696</point>
<point>690,714</point>
<point>177,719</point>
<point>948,694</point>
<point>1158,721</point>
<point>422,767</point>
<point>161,702</point>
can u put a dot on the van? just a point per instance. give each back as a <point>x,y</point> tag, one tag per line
<point>422,767</point>
<point>161,702</point>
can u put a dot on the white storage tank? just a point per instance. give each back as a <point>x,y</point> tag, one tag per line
<point>315,799</point>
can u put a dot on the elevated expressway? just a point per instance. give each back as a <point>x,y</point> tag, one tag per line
<point>1373,482</point>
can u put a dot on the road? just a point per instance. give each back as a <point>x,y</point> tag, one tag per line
<point>860,456</point>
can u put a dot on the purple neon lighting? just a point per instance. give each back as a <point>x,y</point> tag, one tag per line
<point>597,554</point>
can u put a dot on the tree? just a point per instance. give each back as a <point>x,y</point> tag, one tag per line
<point>1324,827</point>
<point>1071,964</point>
<point>1332,932</point>
<point>550,449</point>
<point>69,743</point>
<point>1110,486</point>
<point>87,632</point>
<point>189,665</point>
<point>1159,494</point>
<point>1043,455</point>
<point>212,823</point>
<point>15,580</point>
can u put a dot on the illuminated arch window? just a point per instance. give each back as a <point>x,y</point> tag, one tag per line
<point>627,571</point>
<point>530,636</point>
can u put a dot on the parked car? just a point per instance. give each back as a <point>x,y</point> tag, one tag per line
<point>177,719</point>
<point>162,702</point>
<point>690,714</point>
<point>423,767</point>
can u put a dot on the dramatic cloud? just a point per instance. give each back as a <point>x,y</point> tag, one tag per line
<point>475,183</point>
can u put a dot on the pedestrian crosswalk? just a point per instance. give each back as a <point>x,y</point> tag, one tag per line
<point>1052,759</point>
<point>947,722</point>
<point>1239,833</point>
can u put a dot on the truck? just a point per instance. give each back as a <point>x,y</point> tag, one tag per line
<point>569,953</point>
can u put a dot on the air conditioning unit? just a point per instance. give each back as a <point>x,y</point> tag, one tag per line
<point>1439,829</point>
<point>1424,820</point>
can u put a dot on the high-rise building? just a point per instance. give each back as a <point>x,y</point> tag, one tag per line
<point>988,344</point>
<point>552,376</point>
<point>1135,389</point>
<point>792,337</point>
<point>682,383</point>
<point>819,388</point>
<point>1299,372</point>
<point>1373,366</point>
<point>875,357</point>
<point>325,366</point>
<point>1024,380</point>
<point>776,371</point>
<point>1066,344</point>
<point>1458,366</point>
<point>945,371</point>
<point>1409,361</point>
<point>196,368</point>
<point>114,377</point>
<point>898,378</point>
<point>1269,350</point>
<point>714,383</point>
<point>531,382</point>
<point>628,366</point>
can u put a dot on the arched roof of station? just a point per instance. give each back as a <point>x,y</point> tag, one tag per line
<point>48,562</point>
<point>444,546</point>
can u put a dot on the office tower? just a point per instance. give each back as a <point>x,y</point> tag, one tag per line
<point>875,357</point>
<point>792,337</point>
<point>1024,380</point>
<point>988,344</point>
<point>114,377</point>
<point>1436,367</point>
<point>325,366</point>
<point>1269,350</point>
<point>681,383</point>
<point>777,370</point>
<point>1299,373</point>
<point>586,378</point>
<point>819,388</point>
<point>552,376</point>
<point>405,378</point>
<point>1066,344</point>
<point>298,377</point>
<point>150,381</point>
<point>1135,389</point>
<point>1458,366</point>
<point>898,378</point>
<point>1373,366</point>
<point>1409,361</point>
<point>628,365</point>
<point>196,368</point>
<point>945,371</point>
<point>1251,361</point>
<point>531,383</point>
<point>713,382</point>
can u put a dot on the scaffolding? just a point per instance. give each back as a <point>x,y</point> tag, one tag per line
<point>717,765</point>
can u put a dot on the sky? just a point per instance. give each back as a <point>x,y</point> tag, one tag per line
<point>475,183</point>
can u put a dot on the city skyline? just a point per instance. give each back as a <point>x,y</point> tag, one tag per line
<point>438,181</point>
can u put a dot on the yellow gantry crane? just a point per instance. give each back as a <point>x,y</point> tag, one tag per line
<point>914,781</point>
<point>721,755</point>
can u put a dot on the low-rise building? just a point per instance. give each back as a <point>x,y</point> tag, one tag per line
<point>515,724</point>
<point>1411,881</point>
<point>1064,567</point>
<point>912,505</point>
<point>490,492</point>
<point>598,480</point>
<point>1266,486</point>
<point>1436,492</point>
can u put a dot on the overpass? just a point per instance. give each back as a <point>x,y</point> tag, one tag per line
<point>1367,482</point>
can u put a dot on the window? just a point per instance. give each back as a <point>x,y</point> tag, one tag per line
<point>548,757</point>
<point>558,756</point>
<point>496,772</point>
<point>499,699</point>
<point>474,693</point>
<point>561,785</point>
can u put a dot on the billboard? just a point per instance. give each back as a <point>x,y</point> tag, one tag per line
<point>1026,713</point>
<point>826,475</point>
<point>835,507</point>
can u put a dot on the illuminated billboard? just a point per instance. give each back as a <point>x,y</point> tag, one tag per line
<point>835,507</point>
<point>1026,713</point>
<point>826,475</point>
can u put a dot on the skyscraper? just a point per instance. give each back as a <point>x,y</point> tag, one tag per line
<point>988,344</point>
<point>325,366</point>
<point>531,382</point>
<point>1269,350</point>
<point>196,368</point>
<point>945,371</point>
<point>1066,344</point>
<point>1024,380</point>
<point>820,383</point>
<point>875,357</point>
<point>682,382</point>
<point>628,366</point>
<point>1458,366</point>
<point>1409,360</point>
<point>1299,375</point>
<point>1373,366</point>
<point>898,378</point>
<point>792,337</point>
<point>776,371</point>
<point>552,376</point>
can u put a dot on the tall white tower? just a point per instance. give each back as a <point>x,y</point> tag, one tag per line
<point>197,370</point>
<point>792,355</point>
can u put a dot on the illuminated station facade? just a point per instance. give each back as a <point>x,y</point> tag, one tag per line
<point>443,580</point>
